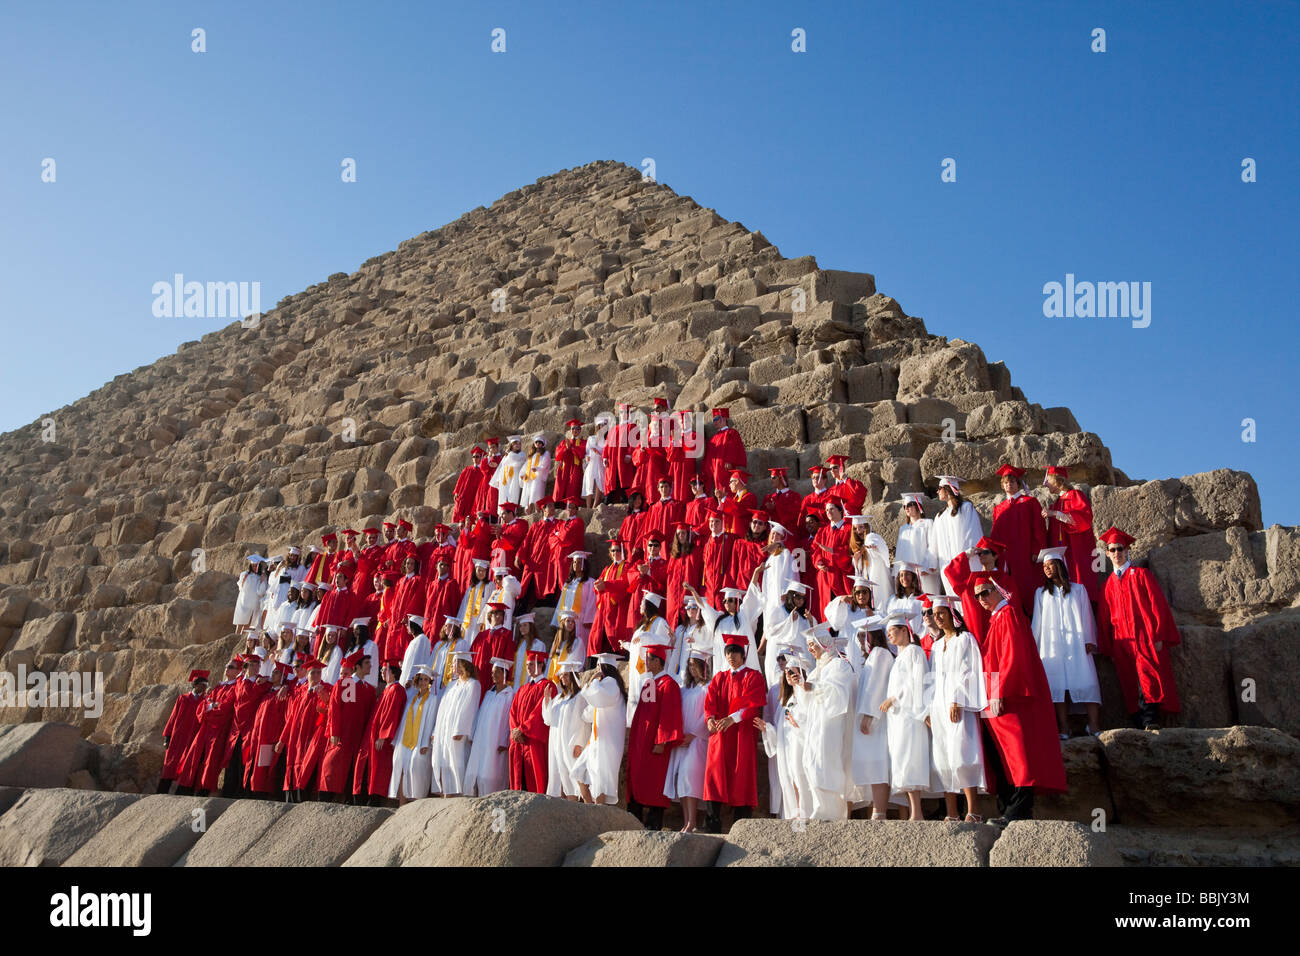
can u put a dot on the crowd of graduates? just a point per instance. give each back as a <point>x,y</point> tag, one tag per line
<point>379,669</point>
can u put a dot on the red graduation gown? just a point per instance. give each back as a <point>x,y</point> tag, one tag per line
<point>1133,617</point>
<point>465,494</point>
<point>247,697</point>
<point>730,770</point>
<point>815,503</point>
<point>724,453</point>
<point>567,469</point>
<point>487,644</point>
<point>687,569</point>
<point>657,720</point>
<point>830,556</point>
<point>682,464</point>
<point>368,563</point>
<point>783,507</point>
<point>718,572</point>
<point>1077,536</point>
<point>567,536</point>
<point>442,596</point>
<point>853,493</point>
<point>1018,524</point>
<point>374,767</point>
<point>619,471</point>
<point>959,573</point>
<point>1025,733</point>
<point>746,555</point>
<point>534,554</point>
<point>607,630</point>
<point>210,752</point>
<point>697,513</point>
<point>528,765</point>
<point>338,606</point>
<point>662,516</point>
<point>182,726</point>
<point>651,464</point>
<point>654,580</point>
<point>736,508</point>
<point>268,726</point>
<point>349,709</point>
<point>488,495</point>
<point>304,716</point>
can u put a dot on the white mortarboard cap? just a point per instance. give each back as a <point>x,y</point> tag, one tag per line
<point>574,555</point>
<point>304,631</point>
<point>951,481</point>
<point>610,659</point>
<point>655,599</point>
<point>502,663</point>
<point>700,654</point>
<point>570,667</point>
<point>821,633</point>
<point>362,621</point>
<point>295,550</point>
<point>528,618</point>
<point>734,593</point>
<point>463,655</point>
<point>255,559</point>
<point>481,562</point>
<point>537,647</point>
<point>860,582</point>
<point>565,612</point>
<point>515,438</point>
<point>421,670</point>
<point>1047,553</point>
<point>777,527</point>
<point>416,619</point>
<point>540,436</point>
<point>899,618</point>
<point>793,585</point>
<point>914,498</point>
<point>860,519</point>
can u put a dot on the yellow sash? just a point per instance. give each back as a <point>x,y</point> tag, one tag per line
<point>530,471</point>
<point>475,604</point>
<point>410,736</point>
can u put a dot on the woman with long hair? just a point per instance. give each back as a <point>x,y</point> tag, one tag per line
<point>685,781</point>
<point>476,598</point>
<point>956,528</point>
<point>651,629</point>
<point>567,645</point>
<point>1066,634</point>
<point>1069,525</point>
<point>870,556</point>
<point>783,735</point>
<point>906,596</point>
<point>870,750</point>
<point>685,566</point>
<point>453,733</point>
<point>606,711</point>
<point>908,707</point>
<point>915,543</point>
<point>562,711</point>
<point>689,635</point>
<point>578,595</point>
<point>488,768</point>
<point>252,587</point>
<point>957,697</point>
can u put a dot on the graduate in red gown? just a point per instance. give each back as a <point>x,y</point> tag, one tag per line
<point>569,456</point>
<point>369,559</point>
<point>684,453</point>
<point>1069,525</point>
<point>408,598</point>
<point>984,555</point>
<point>724,453</point>
<point>322,566</point>
<point>429,551</point>
<point>474,544</point>
<point>511,527</point>
<point>656,729</point>
<point>534,554</point>
<point>468,485</point>
<point>685,566</point>
<point>608,630</point>
<point>529,734</point>
<point>617,452</point>
<point>494,640</point>
<point>246,696</point>
<point>262,764</point>
<point>782,503</point>
<point>632,530</point>
<point>304,725</point>
<point>567,536</point>
<point>750,551</point>
<point>488,494</point>
<point>339,605</point>
<point>735,697</point>
<point>650,457</point>
<point>350,704</point>
<point>698,504</point>
<point>208,754</point>
<point>374,766</point>
<point>181,728</point>
<point>666,512</point>
<point>738,505</point>
<point>442,595</point>
<point>1136,628</point>
<point>718,569</point>
<point>1018,524</point>
<point>814,502</point>
<point>1022,720</point>
<point>648,574</point>
<point>831,557</point>
<point>849,490</point>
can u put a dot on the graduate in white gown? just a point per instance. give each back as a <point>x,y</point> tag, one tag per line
<point>578,595</point>
<point>956,700</point>
<point>685,781</point>
<point>413,743</point>
<point>562,711</point>
<point>652,629</point>
<point>690,634</point>
<point>419,650</point>
<point>453,732</point>
<point>914,543</point>
<point>536,472</point>
<point>906,596</point>
<point>606,711</point>
<point>359,640</point>
<point>505,590</point>
<point>508,478</point>
<point>851,613</point>
<point>870,739</point>
<point>331,654</point>
<point>956,528</point>
<point>908,706</point>
<point>870,555</point>
<point>784,624</point>
<point>567,646</point>
<point>783,735</point>
<point>739,615</point>
<point>1066,633</point>
<point>827,708</point>
<point>593,462</point>
<point>252,587</point>
<point>444,655</point>
<point>488,769</point>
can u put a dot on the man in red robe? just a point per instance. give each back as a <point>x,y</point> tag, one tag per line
<point>1018,524</point>
<point>831,557</point>
<point>208,754</point>
<point>748,552</point>
<point>369,559</point>
<point>814,502</point>
<point>534,554</point>
<point>725,451</point>
<point>1069,525</point>
<point>698,504</point>
<point>620,442</point>
<point>374,766</point>
<point>488,494</point>
<point>468,484</point>
<point>529,734</point>
<point>339,606</point>
<point>684,453</point>
<point>650,456</point>
<point>665,513</point>
<point>734,698</point>
<point>261,762</point>
<point>442,595</point>
<point>246,696</point>
<point>650,574</point>
<point>1022,720</point>
<point>495,640</point>
<point>985,555</point>
<point>656,729</point>
<point>322,566</point>
<point>1136,628</point>
<point>718,570</point>
<point>181,728</point>
<point>569,456</point>
<point>739,503</point>
<point>306,714</point>
<point>607,630</point>
<point>408,598</point>
<point>782,503</point>
<point>567,536</point>
<point>849,490</point>
<point>350,704</point>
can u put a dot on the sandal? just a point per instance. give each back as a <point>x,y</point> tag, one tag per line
<point>974,818</point>
<point>877,816</point>
<point>952,819</point>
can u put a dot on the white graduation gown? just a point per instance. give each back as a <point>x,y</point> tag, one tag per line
<point>252,588</point>
<point>685,638</point>
<point>827,755</point>
<point>532,482</point>
<point>507,593</point>
<point>957,677</point>
<point>784,744</point>
<point>637,672</point>
<point>606,711</point>
<point>876,567</point>
<point>1063,626</point>
<point>870,763</point>
<point>579,597</point>
<point>686,764</point>
<point>953,534</point>
<point>847,619</point>
<point>507,479</point>
<point>472,607</point>
<point>564,715</point>
<point>488,769</point>
<point>411,769</point>
<point>333,659</point>
<point>719,623</point>
<point>909,738</point>
<point>593,465</point>
<point>418,652</point>
<point>914,610</point>
<point>914,547</point>
<point>456,712</point>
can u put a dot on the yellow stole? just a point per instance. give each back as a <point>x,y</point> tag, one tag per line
<point>414,714</point>
<point>448,664</point>
<point>475,605</point>
<point>530,470</point>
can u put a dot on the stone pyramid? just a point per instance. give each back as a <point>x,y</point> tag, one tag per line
<point>359,397</point>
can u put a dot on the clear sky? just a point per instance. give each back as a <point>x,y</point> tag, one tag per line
<point>1117,166</point>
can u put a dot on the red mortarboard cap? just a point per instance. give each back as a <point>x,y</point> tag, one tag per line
<point>349,531</point>
<point>573,423</point>
<point>739,639</point>
<point>313,663</point>
<point>837,459</point>
<point>508,506</point>
<point>543,501</point>
<point>327,538</point>
<point>441,527</point>
<point>283,668</point>
<point>198,675</point>
<point>1056,470</point>
<point>658,650</point>
<point>405,524</point>
<point>988,544</point>
<point>1116,536</point>
<point>776,471</point>
<point>497,606</point>
<point>575,502</point>
<point>476,450</point>
<point>739,473</point>
<point>355,658</point>
<point>1011,470</point>
<point>722,413</point>
<point>370,531</point>
<point>389,524</point>
<point>816,470</point>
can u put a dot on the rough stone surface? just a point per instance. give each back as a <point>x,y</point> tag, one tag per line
<point>156,830</point>
<point>504,829</point>
<point>856,843</point>
<point>644,848</point>
<point>46,827</point>
<point>1053,843</point>
<point>306,834</point>
<point>41,754</point>
<point>1210,846</point>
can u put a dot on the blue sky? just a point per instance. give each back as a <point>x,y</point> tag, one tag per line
<point>1115,166</point>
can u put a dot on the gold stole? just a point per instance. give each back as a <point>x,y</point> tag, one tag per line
<point>530,471</point>
<point>410,736</point>
<point>448,663</point>
<point>474,605</point>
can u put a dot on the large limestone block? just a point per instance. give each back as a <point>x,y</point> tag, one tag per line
<point>509,828</point>
<point>1203,673</point>
<point>309,834</point>
<point>779,427</point>
<point>1155,512</point>
<point>646,848</point>
<point>9,796</point>
<point>1088,792</point>
<point>977,463</point>
<point>156,830</point>
<point>1007,418</point>
<point>45,827</point>
<point>955,370</point>
<point>52,634</point>
<point>1053,843</point>
<point>856,843</point>
<point>1265,679</point>
<point>41,754</point>
<point>1209,574</point>
<point>1234,776</point>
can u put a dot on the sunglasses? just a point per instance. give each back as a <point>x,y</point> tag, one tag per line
<point>985,593</point>
<point>1116,549</point>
